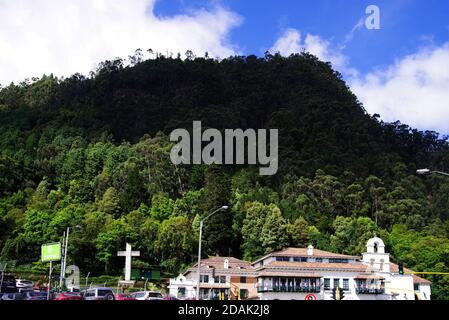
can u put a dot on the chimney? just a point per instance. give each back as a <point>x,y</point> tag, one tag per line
<point>310,250</point>
<point>226,264</point>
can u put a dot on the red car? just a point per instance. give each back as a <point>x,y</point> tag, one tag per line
<point>123,296</point>
<point>67,296</point>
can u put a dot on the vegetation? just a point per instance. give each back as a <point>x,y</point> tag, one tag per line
<point>92,153</point>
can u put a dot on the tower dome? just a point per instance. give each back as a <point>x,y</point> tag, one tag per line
<point>375,245</point>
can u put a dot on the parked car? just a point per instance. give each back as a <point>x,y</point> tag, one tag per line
<point>39,298</point>
<point>65,296</point>
<point>11,296</point>
<point>124,296</point>
<point>8,284</point>
<point>147,295</point>
<point>99,294</point>
<point>169,297</point>
<point>24,285</point>
<point>73,289</point>
<point>31,295</point>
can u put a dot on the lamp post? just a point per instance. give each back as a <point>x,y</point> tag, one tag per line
<point>199,248</point>
<point>428,172</point>
<point>64,257</point>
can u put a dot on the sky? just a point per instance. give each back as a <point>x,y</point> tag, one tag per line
<point>399,70</point>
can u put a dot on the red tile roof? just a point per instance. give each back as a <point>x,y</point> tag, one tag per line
<point>302,252</point>
<point>395,268</point>
<point>217,263</point>
<point>367,276</point>
<point>316,253</point>
<point>315,266</point>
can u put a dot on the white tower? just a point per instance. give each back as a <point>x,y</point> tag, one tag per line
<point>375,256</point>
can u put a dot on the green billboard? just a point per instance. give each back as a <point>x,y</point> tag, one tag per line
<point>51,252</point>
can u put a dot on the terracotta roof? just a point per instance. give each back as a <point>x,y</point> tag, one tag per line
<point>214,285</point>
<point>395,268</point>
<point>315,265</point>
<point>316,253</point>
<point>288,274</point>
<point>218,263</point>
<point>366,276</point>
<point>302,252</point>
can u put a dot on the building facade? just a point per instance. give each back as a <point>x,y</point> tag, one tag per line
<point>221,278</point>
<point>304,273</point>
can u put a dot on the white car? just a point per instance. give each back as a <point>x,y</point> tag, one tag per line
<point>147,295</point>
<point>99,294</point>
<point>24,285</point>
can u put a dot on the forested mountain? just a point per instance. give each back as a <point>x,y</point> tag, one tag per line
<point>93,153</point>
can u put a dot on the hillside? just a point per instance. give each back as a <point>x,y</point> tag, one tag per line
<point>93,152</point>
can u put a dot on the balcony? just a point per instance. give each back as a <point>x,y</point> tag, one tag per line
<point>370,290</point>
<point>282,289</point>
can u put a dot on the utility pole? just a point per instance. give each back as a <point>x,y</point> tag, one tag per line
<point>87,278</point>
<point>49,281</point>
<point>66,247</point>
<point>223,208</point>
<point>65,243</point>
<point>3,272</point>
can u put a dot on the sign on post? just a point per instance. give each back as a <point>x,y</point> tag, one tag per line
<point>51,252</point>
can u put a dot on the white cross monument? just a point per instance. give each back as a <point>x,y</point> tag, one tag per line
<point>128,254</point>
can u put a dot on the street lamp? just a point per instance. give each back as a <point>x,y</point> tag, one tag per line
<point>428,172</point>
<point>223,208</point>
<point>65,243</point>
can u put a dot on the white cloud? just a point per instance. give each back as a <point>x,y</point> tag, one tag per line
<point>291,42</point>
<point>68,36</point>
<point>414,90</point>
<point>359,25</point>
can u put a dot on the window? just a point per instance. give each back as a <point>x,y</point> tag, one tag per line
<point>416,287</point>
<point>319,260</point>
<point>243,294</point>
<point>327,284</point>
<point>282,259</point>
<point>337,283</point>
<point>220,279</point>
<point>336,260</point>
<point>345,284</point>
<point>181,292</point>
<point>102,293</point>
<point>242,279</point>
<point>204,278</point>
<point>300,259</point>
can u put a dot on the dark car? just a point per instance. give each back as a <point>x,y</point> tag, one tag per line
<point>34,296</point>
<point>11,296</point>
<point>8,284</point>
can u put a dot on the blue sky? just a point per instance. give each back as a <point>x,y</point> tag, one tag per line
<point>400,71</point>
<point>405,24</point>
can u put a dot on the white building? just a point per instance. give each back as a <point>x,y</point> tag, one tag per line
<point>294,273</point>
<point>221,278</point>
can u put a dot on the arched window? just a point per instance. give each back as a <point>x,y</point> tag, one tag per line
<point>376,247</point>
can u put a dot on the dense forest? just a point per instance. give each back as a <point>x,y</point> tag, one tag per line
<point>93,153</point>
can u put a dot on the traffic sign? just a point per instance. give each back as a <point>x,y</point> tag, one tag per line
<point>310,297</point>
<point>51,252</point>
